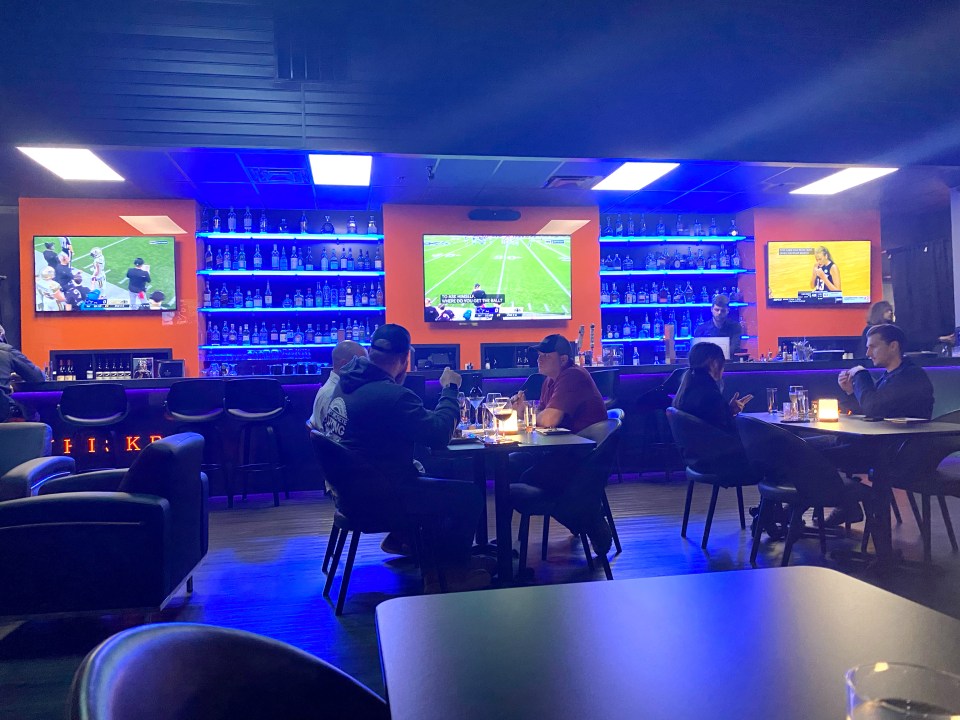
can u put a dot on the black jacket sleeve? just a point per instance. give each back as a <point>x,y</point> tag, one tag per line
<point>432,428</point>
<point>24,368</point>
<point>908,393</point>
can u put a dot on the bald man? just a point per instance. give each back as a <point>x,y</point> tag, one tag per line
<point>343,353</point>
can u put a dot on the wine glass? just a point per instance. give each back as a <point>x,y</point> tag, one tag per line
<point>475,399</point>
<point>501,411</point>
<point>490,403</point>
<point>464,411</point>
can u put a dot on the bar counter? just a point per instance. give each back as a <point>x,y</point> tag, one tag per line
<point>147,419</point>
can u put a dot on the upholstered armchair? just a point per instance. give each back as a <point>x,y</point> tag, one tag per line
<point>25,460</point>
<point>109,540</point>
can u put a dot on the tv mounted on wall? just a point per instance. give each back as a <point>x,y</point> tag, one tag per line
<point>104,273</point>
<point>830,273</point>
<point>496,278</point>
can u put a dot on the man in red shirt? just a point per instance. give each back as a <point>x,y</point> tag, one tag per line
<point>569,397</point>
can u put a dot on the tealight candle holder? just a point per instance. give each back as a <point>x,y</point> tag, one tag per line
<point>828,410</point>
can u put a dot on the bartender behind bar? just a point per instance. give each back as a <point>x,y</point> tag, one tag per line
<point>720,325</point>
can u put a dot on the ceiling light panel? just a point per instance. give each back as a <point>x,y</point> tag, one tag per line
<point>72,163</point>
<point>634,175</point>
<point>843,180</point>
<point>353,170</point>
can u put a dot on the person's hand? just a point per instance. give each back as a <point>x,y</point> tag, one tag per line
<point>518,399</point>
<point>818,271</point>
<point>948,339</point>
<point>450,377</point>
<point>845,381</point>
<point>737,403</point>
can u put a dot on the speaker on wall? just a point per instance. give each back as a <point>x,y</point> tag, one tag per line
<point>488,214</point>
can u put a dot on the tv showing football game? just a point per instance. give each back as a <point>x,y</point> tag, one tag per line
<point>831,273</point>
<point>491,278</point>
<point>99,274</point>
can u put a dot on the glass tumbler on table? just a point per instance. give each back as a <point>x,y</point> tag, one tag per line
<point>530,415</point>
<point>794,393</point>
<point>900,691</point>
<point>772,400</point>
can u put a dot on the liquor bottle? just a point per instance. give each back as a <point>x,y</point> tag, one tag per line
<point>263,221</point>
<point>238,298</point>
<point>284,262</point>
<point>618,228</point>
<point>245,335</point>
<point>697,229</point>
<point>724,259</point>
<point>275,258</point>
<point>704,295</point>
<point>213,334</point>
<point>604,294</point>
<point>351,265</point>
<point>372,226</point>
<point>617,262</point>
<point>343,259</point>
<point>677,294</point>
<point>308,264</point>
<point>364,297</point>
<point>324,263</point>
<point>216,221</point>
<point>219,260</point>
<point>646,329</point>
<point>224,296</point>
<point>654,293</point>
<point>631,228</point>
<point>661,228</point>
<point>308,299</point>
<point>626,327</point>
<point>609,334</point>
<point>208,258</point>
<point>248,220</point>
<point>733,232</point>
<point>231,220</point>
<point>274,335</point>
<point>615,295</point>
<point>334,260</point>
<point>327,228</point>
<point>248,300</point>
<point>701,263</point>
<point>298,299</point>
<point>326,294</point>
<point>685,329</point>
<point>712,232</point>
<point>636,356</point>
<point>679,229</point>
<point>264,335</point>
<point>206,294</point>
<point>661,261</point>
<point>348,331</point>
<point>664,296</point>
<point>643,225</point>
<point>629,296</point>
<point>234,260</point>
<point>303,224</point>
<point>288,301</point>
<point>257,299</point>
<point>232,335</point>
<point>628,263</point>
<point>642,296</point>
<point>257,258</point>
<point>351,225</point>
<point>310,336</point>
<point>657,325</point>
<point>342,296</point>
<point>677,260</point>
<point>241,259</point>
<point>283,334</point>
<point>378,260</point>
<point>204,220</point>
<point>298,336</point>
<point>735,260</point>
<point>282,227</point>
<point>608,228</point>
<point>379,295</point>
<point>255,335</point>
<point>688,296</point>
<point>268,296</point>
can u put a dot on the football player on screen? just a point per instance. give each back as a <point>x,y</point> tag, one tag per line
<point>66,246</point>
<point>99,270</point>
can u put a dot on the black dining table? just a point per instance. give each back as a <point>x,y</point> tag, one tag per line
<point>533,443</point>
<point>882,438</point>
<point>769,643</point>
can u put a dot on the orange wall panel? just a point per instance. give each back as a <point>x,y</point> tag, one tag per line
<point>45,332</point>
<point>404,227</point>
<point>812,226</point>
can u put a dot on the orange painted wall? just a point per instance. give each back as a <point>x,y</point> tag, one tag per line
<point>404,227</point>
<point>817,226</point>
<point>45,332</point>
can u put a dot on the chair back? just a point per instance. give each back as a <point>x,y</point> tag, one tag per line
<point>582,500</point>
<point>199,400</point>
<point>616,414</point>
<point>250,398</point>
<point>178,670</point>
<point>24,441</point>
<point>672,383</point>
<point>608,382</point>
<point>704,448</point>
<point>341,468</point>
<point>93,404</point>
<point>919,457</point>
<point>533,385</point>
<point>599,463</point>
<point>785,459</point>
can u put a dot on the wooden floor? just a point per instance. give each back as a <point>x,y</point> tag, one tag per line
<point>263,574</point>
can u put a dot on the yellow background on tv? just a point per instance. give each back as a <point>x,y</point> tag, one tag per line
<point>789,274</point>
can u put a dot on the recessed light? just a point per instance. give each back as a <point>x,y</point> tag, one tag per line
<point>72,163</point>
<point>634,175</point>
<point>341,169</point>
<point>154,224</point>
<point>561,227</point>
<point>843,180</point>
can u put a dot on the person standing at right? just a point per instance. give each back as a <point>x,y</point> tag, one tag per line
<point>880,312</point>
<point>138,277</point>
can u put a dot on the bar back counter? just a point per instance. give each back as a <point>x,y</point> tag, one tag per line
<point>146,397</point>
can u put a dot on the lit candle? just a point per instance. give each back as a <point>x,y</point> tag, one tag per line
<point>828,410</point>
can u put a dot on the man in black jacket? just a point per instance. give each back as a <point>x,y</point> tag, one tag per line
<point>13,361</point>
<point>375,416</point>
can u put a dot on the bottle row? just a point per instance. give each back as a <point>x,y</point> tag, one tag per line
<point>662,294</point>
<point>662,260</point>
<point>298,259</point>
<point>617,228</point>
<point>327,295</point>
<point>105,370</point>
<point>216,224</point>
<point>229,334</point>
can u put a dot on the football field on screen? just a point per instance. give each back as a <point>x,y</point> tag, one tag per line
<point>531,271</point>
<point>119,253</point>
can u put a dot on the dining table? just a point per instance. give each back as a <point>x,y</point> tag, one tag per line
<point>481,450</point>
<point>762,643</point>
<point>881,438</point>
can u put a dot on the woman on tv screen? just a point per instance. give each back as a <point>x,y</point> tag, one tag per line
<point>826,275</point>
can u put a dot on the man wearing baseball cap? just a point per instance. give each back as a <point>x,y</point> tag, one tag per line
<point>569,397</point>
<point>375,416</point>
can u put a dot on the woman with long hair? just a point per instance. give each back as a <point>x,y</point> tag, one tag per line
<point>881,312</point>
<point>826,275</point>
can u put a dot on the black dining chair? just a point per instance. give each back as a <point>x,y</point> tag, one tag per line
<point>581,505</point>
<point>796,474</point>
<point>185,670</point>
<point>712,457</point>
<point>608,383</point>
<point>656,440</point>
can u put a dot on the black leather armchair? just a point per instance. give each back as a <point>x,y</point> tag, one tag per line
<point>25,459</point>
<point>110,540</point>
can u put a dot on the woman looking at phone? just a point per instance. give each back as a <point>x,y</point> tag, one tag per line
<point>701,390</point>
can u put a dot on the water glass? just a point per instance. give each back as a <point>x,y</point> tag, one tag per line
<point>794,393</point>
<point>900,691</point>
<point>803,404</point>
<point>530,415</point>
<point>771,400</point>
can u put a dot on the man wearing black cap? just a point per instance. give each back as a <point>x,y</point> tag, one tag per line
<point>569,397</point>
<point>374,415</point>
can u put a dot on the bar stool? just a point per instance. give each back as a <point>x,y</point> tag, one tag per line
<point>97,408</point>
<point>608,383</point>
<point>256,403</point>
<point>197,405</point>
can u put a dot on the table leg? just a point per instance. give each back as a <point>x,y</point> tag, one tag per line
<point>882,531</point>
<point>480,479</point>
<point>504,516</point>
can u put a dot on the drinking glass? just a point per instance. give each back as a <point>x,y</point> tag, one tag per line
<point>501,411</point>
<point>900,691</point>
<point>803,404</point>
<point>771,400</point>
<point>530,415</point>
<point>794,392</point>
<point>476,399</point>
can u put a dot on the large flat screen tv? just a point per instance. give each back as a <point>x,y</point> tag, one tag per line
<point>104,273</point>
<point>491,278</point>
<point>803,274</point>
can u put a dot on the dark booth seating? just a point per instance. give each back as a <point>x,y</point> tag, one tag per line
<point>182,670</point>
<point>25,461</point>
<point>107,541</point>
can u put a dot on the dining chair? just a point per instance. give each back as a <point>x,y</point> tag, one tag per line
<point>712,457</point>
<point>180,670</point>
<point>796,474</point>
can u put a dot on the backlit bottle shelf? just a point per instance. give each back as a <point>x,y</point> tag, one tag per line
<point>315,237</point>
<point>292,273</point>
<point>615,341</point>
<point>293,310</point>
<point>615,306</point>
<point>689,239</point>
<point>631,273</point>
<point>275,346</point>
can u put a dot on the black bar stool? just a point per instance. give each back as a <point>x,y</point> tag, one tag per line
<point>256,403</point>
<point>196,406</point>
<point>94,408</point>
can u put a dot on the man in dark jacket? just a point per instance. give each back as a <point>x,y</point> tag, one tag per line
<point>13,361</point>
<point>50,255</point>
<point>375,416</point>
